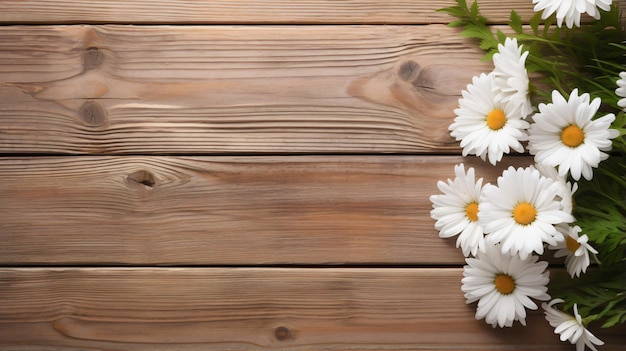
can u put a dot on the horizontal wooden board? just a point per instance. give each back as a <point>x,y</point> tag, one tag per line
<point>225,210</point>
<point>253,309</point>
<point>231,89</point>
<point>237,11</point>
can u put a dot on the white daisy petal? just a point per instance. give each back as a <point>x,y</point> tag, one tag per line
<point>456,210</point>
<point>576,249</point>
<point>570,327</point>
<point>522,226</point>
<point>511,77</point>
<point>487,125</point>
<point>571,10</point>
<point>503,285</point>
<point>563,134</point>
<point>621,90</point>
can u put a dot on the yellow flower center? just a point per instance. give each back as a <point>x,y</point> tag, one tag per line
<point>496,119</point>
<point>524,213</point>
<point>504,283</point>
<point>571,244</point>
<point>572,136</point>
<point>471,211</point>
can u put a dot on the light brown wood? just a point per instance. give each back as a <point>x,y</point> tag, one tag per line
<point>238,11</point>
<point>265,248</point>
<point>253,309</point>
<point>225,210</point>
<point>231,89</point>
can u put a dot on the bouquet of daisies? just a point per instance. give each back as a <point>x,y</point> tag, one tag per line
<point>559,94</point>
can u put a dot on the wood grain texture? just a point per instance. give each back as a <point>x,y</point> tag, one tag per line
<point>253,309</point>
<point>231,89</point>
<point>225,210</point>
<point>284,252</point>
<point>237,11</point>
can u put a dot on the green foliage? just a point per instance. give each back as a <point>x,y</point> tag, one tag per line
<point>474,26</point>
<point>516,22</point>
<point>600,293</point>
<point>619,143</point>
<point>601,213</point>
<point>589,58</point>
<point>601,209</point>
<point>578,57</point>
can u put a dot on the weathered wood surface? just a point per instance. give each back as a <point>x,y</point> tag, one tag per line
<point>225,210</point>
<point>84,237</point>
<point>231,89</point>
<point>252,309</point>
<point>238,11</point>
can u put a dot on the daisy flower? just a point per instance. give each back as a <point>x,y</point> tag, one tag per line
<point>511,76</point>
<point>566,189</point>
<point>503,285</point>
<point>621,90</point>
<point>570,328</point>
<point>565,135</point>
<point>456,211</point>
<point>575,248</point>
<point>522,211</point>
<point>571,10</point>
<point>486,125</point>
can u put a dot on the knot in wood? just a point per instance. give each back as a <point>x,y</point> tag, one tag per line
<point>408,70</point>
<point>92,58</point>
<point>93,114</point>
<point>282,333</point>
<point>142,178</point>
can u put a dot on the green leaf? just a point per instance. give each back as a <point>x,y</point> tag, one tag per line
<point>487,41</point>
<point>453,11</point>
<point>612,321</point>
<point>501,36</point>
<point>457,23</point>
<point>516,22</point>
<point>474,11</point>
<point>489,55</point>
<point>534,22</point>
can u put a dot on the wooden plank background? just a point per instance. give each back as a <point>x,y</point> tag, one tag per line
<point>196,211</point>
<point>232,89</point>
<point>242,175</point>
<point>246,12</point>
